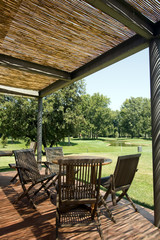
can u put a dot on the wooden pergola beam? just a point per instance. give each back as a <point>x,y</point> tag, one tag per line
<point>18,91</point>
<point>54,87</point>
<point>157,29</point>
<point>126,14</point>
<point>31,67</point>
<point>123,50</point>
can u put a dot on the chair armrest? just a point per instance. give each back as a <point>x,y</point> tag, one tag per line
<point>42,162</point>
<point>45,163</point>
<point>22,168</point>
<point>12,165</point>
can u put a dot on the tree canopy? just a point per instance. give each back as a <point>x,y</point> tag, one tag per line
<point>72,112</point>
<point>135,117</point>
<point>97,114</point>
<point>61,113</point>
<point>18,117</point>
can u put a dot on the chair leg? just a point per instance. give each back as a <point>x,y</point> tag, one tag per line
<point>31,202</point>
<point>39,189</point>
<point>43,185</point>
<point>25,193</point>
<point>14,178</point>
<point>113,196</point>
<point>120,197</point>
<point>53,182</point>
<point>130,200</point>
<point>57,223</point>
<point>99,225</point>
<point>104,197</point>
<point>107,208</point>
<point>45,188</point>
<point>124,193</point>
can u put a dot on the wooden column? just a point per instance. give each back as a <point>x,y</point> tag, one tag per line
<point>154,49</point>
<point>39,130</point>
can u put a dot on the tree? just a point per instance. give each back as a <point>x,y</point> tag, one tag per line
<point>85,126</point>
<point>61,114</point>
<point>115,115</point>
<point>135,117</point>
<point>146,116</point>
<point>18,118</point>
<point>97,114</point>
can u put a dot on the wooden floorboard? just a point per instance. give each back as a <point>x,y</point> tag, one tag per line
<point>20,221</point>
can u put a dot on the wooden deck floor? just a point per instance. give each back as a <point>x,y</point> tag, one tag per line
<point>19,221</point>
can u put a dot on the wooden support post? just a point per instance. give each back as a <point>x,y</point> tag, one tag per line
<point>154,49</point>
<point>39,130</point>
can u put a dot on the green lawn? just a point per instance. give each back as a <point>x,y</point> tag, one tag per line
<point>141,190</point>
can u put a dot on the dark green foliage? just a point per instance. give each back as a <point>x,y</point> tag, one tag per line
<point>97,115</point>
<point>71,112</point>
<point>61,113</point>
<point>135,117</point>
<point>4,141</point>
<point>18,117</point>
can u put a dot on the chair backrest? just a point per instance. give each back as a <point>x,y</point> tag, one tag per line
<point>125,170</point>
<point>79,185</point>
<point>53,153</point>
<point>25,158</point>
<point>33,145</point>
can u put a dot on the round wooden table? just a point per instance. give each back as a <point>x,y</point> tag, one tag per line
<point>79,158</point>
<point>59,159</point>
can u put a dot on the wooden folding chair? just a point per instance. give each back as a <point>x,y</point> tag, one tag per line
<point>33,145</point>
<point>121,180</point>
<point>29,173</point>
<point>52,153</point>
<point>78,193</point>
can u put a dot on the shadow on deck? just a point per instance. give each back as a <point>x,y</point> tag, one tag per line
<point>19,221</point>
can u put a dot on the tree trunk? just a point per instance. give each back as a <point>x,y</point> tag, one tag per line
<point>69,140</point>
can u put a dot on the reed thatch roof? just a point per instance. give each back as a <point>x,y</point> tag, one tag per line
<point>48,44</point>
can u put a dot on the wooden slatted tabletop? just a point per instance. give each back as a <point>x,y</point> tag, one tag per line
<point>105,161</point>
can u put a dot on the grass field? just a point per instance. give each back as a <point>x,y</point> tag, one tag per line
<point>141,190</point>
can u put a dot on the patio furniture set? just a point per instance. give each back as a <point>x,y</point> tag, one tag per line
<point>77,180</point>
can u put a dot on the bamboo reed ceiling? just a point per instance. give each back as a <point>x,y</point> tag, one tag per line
<point>149,8</point>
<point>64,35</point>
<point>61,34</point>
<point>30,81</point>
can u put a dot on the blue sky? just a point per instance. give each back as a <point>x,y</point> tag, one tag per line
<point>124,79</point>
